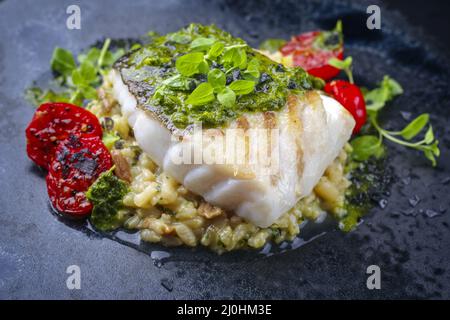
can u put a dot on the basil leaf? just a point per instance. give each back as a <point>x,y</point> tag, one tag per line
<point>365,147</point>
<point>272,45</point>
<point>203,94</point>
<point>235,57</point>
<point>188,64</point>
<point>217,79</point>
<point>216,50</point>
<point>252,72</point>
<point>227,97</point>
<point>201,44</point>
<point>63,62</point>
<point>242,87</point>
<point>414,128</point>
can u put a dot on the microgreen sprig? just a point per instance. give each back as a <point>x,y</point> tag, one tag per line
<point>345,65</point>
<point>376,99</point>
<point>368,145</point>
<point>76,82</point>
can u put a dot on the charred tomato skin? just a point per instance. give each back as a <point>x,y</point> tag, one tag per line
<point>78,162</point>
<point>351,97</point>
<point>52,123</point>
<point>312,58</point>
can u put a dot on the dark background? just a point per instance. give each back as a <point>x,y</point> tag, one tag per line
<point>410,246</point>
<point>431,16</point>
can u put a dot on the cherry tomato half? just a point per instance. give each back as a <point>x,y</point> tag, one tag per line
<point>78,162</point>
<point>312,51</point>
<point>53,123</point>
<point>351,97</point>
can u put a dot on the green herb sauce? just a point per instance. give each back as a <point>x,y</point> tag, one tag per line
<point>371,181</point>
<point>173,66</point>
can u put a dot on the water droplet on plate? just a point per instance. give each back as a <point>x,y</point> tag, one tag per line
<point>382,203</point>
<point>410,212</point>
<point>414,201</point>
<point>431,213</point>
<point>406,115</point>
<point>158,257</point>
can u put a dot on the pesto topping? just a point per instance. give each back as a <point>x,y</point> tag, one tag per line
<point>202,73</point>
<point>106,195</point>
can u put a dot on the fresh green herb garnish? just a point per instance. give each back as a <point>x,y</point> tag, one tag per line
<point>227,97</point>
<point>217,79</point>
<point>202,73</point>
<point>63,62</point>
<point>376,99</point>
<point>106,195</point>
<point>75,83</point>
<point>345,65</point>
<point>203,94</point>
<point>189,64</point>
<point>365,147</point>
<point>234,57</point>
<point>242,86</point>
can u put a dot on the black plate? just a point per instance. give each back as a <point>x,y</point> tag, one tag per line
<point>409,245</point>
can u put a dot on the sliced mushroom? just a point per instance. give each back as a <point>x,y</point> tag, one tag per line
<point>122,169</point>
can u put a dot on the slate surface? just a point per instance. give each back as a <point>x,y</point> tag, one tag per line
<point>411,248</point>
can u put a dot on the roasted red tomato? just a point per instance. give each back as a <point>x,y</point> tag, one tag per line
<point>312,51</point>
<point>78,162</point>
<point>53,123</point>
<point>351,97</point>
